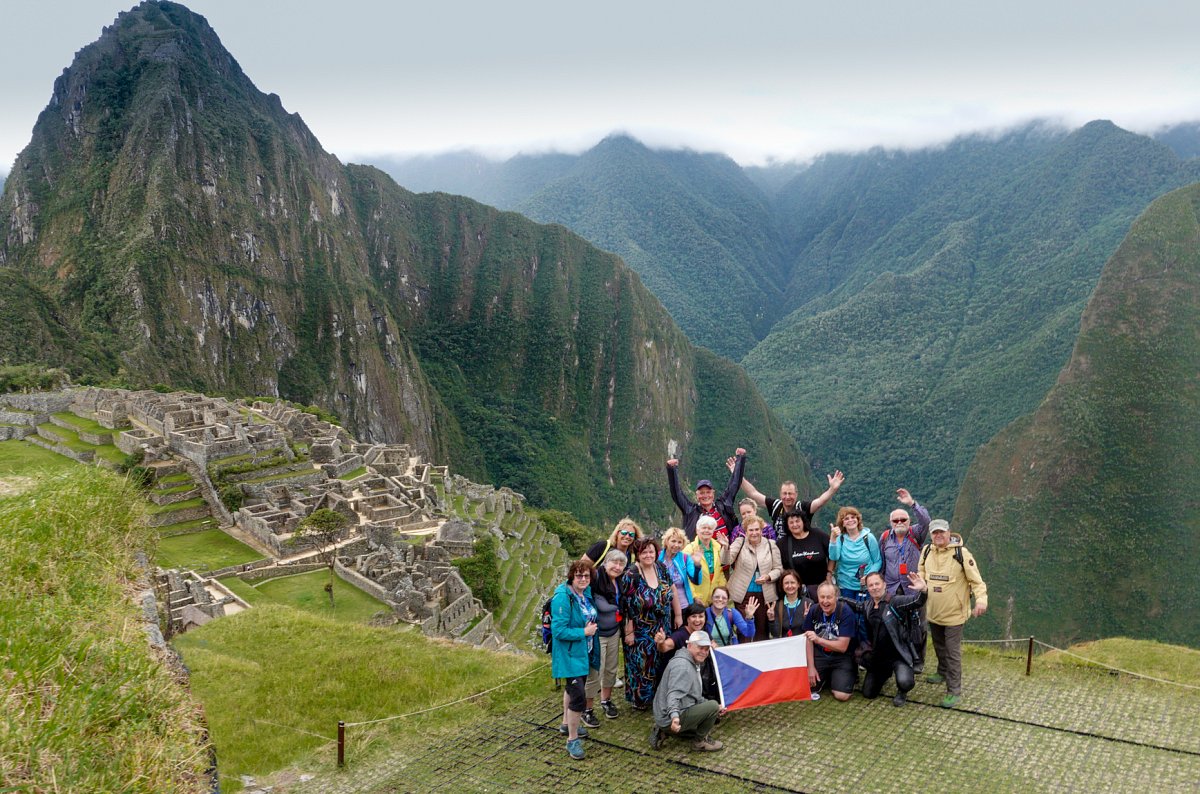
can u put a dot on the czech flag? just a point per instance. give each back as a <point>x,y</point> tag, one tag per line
<point>758,673</point>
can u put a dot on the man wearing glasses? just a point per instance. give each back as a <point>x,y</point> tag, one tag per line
<point>900,549</point>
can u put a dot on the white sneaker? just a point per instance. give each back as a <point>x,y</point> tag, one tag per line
<point>619,683</point>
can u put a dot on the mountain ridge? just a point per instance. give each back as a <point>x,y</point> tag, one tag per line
<point>176,218</point>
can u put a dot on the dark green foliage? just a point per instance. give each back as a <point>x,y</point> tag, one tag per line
<point>574,536</point>
<point>943,293</point>
<point>232,497</point>
<point>481,572</point>
<point>209,243</point>
<point>1083,514</point>
<point>31,377</point>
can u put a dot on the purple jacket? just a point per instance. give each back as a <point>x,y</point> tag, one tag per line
<point>894,550</point>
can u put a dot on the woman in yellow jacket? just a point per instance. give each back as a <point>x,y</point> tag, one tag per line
<point>706,552</point>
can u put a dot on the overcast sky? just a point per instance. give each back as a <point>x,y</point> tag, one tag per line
<point>786,79</point>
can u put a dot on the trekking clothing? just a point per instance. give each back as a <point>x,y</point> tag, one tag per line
<point>724,507</point>
<point>712,573</point>
<point>895,549</point>
<point>571,655</point>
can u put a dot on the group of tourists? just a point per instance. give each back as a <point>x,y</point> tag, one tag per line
<point>727,576</point>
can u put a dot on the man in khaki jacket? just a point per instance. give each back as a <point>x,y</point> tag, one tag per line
<point>953,579</point>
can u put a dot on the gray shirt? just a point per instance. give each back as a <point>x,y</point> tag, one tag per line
<point>680,688</point>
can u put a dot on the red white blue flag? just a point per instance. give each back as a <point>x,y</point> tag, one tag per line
<point>758,673</point>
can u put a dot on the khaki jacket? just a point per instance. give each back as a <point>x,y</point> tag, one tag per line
<point>743,559</point>
<point>951,585</point>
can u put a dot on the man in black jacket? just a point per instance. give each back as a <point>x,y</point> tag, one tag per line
<point>722,508</point>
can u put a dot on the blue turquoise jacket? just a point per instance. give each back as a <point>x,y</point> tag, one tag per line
<point>688,571</point>
<point>569,656</point>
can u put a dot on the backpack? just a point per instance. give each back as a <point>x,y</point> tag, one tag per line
<point>957,555</point>
<point>887,533</point>
<point>547,635</point>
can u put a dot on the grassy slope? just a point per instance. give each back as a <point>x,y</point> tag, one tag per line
<point>86,705</point>
<point>1083,513</point>
<point>262,669</point>
<point>206,550</point>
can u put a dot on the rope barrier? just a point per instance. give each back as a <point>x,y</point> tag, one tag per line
<point>1118,669</point>
<point>291,728</point>
<point>446,705</point>
<point>985,642</point>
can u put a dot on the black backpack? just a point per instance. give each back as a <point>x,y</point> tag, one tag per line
<point>547,635</point>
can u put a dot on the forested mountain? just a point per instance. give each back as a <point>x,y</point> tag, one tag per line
<point>933,294</point>
<point>1184,139</point>
<point>694,227</point>
<point>169,223</point>
<point>1083,514</point>
<point>944,290</point>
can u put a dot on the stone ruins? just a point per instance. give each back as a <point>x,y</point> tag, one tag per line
<point>258,469</point>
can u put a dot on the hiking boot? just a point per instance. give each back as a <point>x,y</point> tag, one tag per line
<point>935,678</point>
<point>575,749</point>
<point>609,709</point>
<point>708,745</point>
<point>657,737</point>
<point>950,701</point>
<point>589,719</point>
<point>582,732</point>
<point>900,699</point>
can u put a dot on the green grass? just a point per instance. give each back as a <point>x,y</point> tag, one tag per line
<point>351,475</point>
<point>245,591</point>
<point>285,475</point>
<point>68,438</point>
<point>174,479</point>
<point>261,669</point>
<point>306,592</point>
<point>175,488</point>
<point>1146,657</point>
<point>208,522</point>
<point>82,423</point>
<point>184,505</point>
<point>86,705</point>
<point>110,453</point>
<point>206,550</point>
<point>29,460</point>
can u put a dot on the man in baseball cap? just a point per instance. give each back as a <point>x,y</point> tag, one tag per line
<point>679,704</point>
<point>954,580</point>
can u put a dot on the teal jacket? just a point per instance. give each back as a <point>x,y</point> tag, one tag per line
<point>569,656</point>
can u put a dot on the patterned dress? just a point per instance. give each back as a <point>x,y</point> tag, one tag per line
<point>648,609</point>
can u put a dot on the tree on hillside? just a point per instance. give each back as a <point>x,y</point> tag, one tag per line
<point>324,529</point>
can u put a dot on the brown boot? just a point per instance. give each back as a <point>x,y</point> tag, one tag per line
<point>708,745</point>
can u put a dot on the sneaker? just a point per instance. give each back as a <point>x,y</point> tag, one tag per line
<point>657,737</point>
<point>619,683</point>
<point>935,678</point>
<point>609,709</point>
<point>900,699</point>
<point>708,745</point>
<point>589,719</point>
<point>583,732</point>
<point>950,701</point>
<point>575,749</point>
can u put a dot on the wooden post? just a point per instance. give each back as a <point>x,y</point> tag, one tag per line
<point>1029,657</point>
<point>341,743</point>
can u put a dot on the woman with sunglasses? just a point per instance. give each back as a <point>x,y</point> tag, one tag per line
<point>623,537</point>
<point>855,552</point>
<point>647,604</point>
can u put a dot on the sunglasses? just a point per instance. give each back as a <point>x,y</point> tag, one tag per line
<point>899,520</point>
<point>583,575</point>
<point>627,534</point>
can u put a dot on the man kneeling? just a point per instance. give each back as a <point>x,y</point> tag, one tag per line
<point>679,704</point>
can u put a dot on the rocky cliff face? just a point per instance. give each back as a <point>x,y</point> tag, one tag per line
<point>175,219</point>
<point>1083,514</point>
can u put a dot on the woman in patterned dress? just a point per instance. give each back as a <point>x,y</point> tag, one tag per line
<point>646,604</point>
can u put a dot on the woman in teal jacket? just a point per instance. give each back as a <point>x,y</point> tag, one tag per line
<point>575,649</point>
